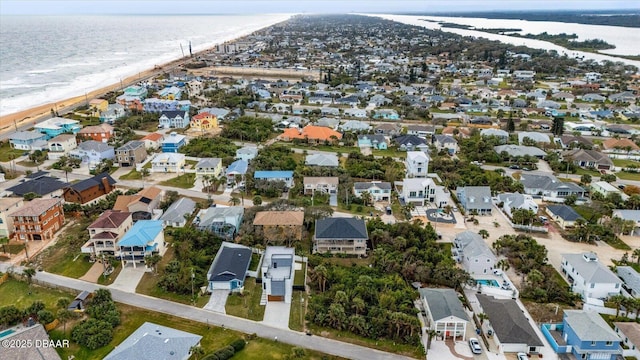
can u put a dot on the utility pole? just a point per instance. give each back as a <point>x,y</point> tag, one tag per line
<point>193,275</point>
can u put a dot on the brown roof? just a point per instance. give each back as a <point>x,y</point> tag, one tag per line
<point>150,192</point>
<point>631,330</point>
<point>153,137</point>
<point>110,219</point>
<point>124,201</point>
<point>621,143</point>
<point>106,235</point>
<point>102,128</point>
<point>36,207</point>
<point>279,218</point>
<point>331,180</point>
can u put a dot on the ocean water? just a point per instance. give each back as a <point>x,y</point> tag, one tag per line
<point>626,40</point>
<point>51,58</point>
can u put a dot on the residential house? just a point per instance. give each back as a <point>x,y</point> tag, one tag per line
<point>355,125</point>
<point>378,190</point>
<point>93,153</point>
<point>593,97</point>
<point>322,159</point>
<point>514,201</point>
<point>631,280</point>
<point>28,140</point>
<point>422,131</point>
<point>219,113</point>
<point>475,199</point>
<point>204,121</point>
<point>153,342</point>
<point>275,175</point>
<point>605,189</point>
<point>8,205</point>
<point>40,184</point>
<point>223,221</point>
<point>356,113</point>
<point>386,114</point>
<point>56,126</point>
<point>311,133</point>
<point>564,215</point>
<point>209,167</point>
<point>339,235</point>
<point>509,324</point>
<point>106,231</point>
<point>322,185</point>
<point>132,153</point>
<point>278,269</point>
<point>589,277</point>
<point>629,215</point>
<point>101,133</point>
<point>589,159</point>
<point>168,163</point>
<point>27,335</point>
<point>549,187</point>
<point>97,106</point>
<point>629,333</point>
<point>279,226</point>
<point>500,134</point>
<point>170,93</point>
<point>113,113</point>
<point>417,164</point>
<point>410,142</point>
<point>142,204</point>
<point>622,146</point>
<point>474,254</point>
<point>38,219</point>
<point>236,169</point>
<point>447,143</point>
<point>377,142</point>
<point>229,268</point>
<point>444,313</point>
<point>331,123</point>
<point>89,190</point>
<point>387,129</point>
<point>153,141</point>
<point>418,191</point>
<point>177,213</point>
<point>155,105</point>
<point>247,153</point>
<point>520,150</point>
<point>174,119</point>
<point>145,238</point>
<point>533,136</point>
<point>173,142</point>
<point>60,145</point>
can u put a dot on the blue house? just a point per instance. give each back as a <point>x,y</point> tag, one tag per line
<point>386,114</point>
<point>173,142</point>
<point>174,119</point>
<point>238,167</point>
<point>28,140</point>
<point>275,175</point>
<point>378,142</point>
<point>585,334</point>
<point>145,238</point>
<point>56,126</point>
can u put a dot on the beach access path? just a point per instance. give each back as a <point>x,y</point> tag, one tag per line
<point>329,346</point>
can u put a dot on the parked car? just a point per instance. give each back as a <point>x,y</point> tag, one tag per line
<point>497,272</point>
<point>474,344</point>
<point>522,356</point>
<point>514,167</point>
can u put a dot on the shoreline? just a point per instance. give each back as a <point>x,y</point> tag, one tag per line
<point>13,121</point>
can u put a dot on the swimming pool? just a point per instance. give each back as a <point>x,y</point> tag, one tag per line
<point>488,283</point>
<point>6,333</point>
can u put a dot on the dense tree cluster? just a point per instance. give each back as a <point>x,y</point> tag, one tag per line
<point>211,147</point>
<point>368,167</point>
<point>247,128</point>
<point>97,331</point>
<point>455,173</point>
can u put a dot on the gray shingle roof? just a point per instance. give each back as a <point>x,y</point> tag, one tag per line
<point>477,197</point>
<point>208,163</point>
<point>443,303</point>
<point>154,342</point>
<point>508,321</point>
<point>231,262</point>
<point>565,212</point>
<point>589,326</point>
<point>26,135</point>
<point>369,184</point>
<point>591,271</point>
<point>94,145</point>
<point>473,244</point>
<point>93,181</point>
<point>131,145</point>
<point>42,186</point>
<point>520,150</point>
<point>630,277</point>
<point>341,228</point>
<point>547,182</point>
<point>177,210</point>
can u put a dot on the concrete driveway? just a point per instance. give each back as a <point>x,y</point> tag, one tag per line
<point>217,301</point>
<point>128,278</point>
<point>276,314</point>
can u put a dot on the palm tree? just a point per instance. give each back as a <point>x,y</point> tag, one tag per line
<point>636,253</point>
<point>358,305</point>
<point>482,317</point>
<point>321,273</point>
<point>152,262</point>
<point>234,201</point>
<point>484,233</point>
<point>366,197</point>
<point>29,273</point>
<point>503,264</point>
<point>196,351</point>
<point>63,313</point>
<point>67,169</point>
<point>617,301</point>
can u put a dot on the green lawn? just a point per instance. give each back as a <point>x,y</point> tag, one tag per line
<point>298,311</point>
<point>112,277</point>
<point>255,261</point>
<point>64,258</point>
<point>262,349</point>
<point>185,181</point>
<point>391,153</point>
<point>628,176</point>
<point>298,278</point>
<point>625,162</point>
<point>12,249</point>
<point>20,294</point>
<point>131,175</point>
<point>246,305</point>
<point>7,152</point>
<point>581,171</point>
<point>26,163</point>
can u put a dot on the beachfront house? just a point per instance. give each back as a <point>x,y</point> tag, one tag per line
<point>113,113</point>
<point>588,277</point>
<point>60,145</point>
<point>173,142</point>
<point>56,126</point>
<point>28,140</point>
<point>473,253</point>
<point>174,119</point>
<point>145,238</point>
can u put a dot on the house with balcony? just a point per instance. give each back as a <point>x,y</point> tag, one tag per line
<point>585,335</point>
<point>475,199</point>
<point>278,269</point>
<point>223,221</point>
<point>473,253</point>
<point>229,268</point>
<point>444,313</point>
<point>145,238</point>
<point>379,190</point>
<point>410,143</point>
<point>605,189</point>
<point>514,201</point>
<point>89,190</point>
<point>377,142</point>
<point>142,205</point>
<point>178,212</point>
<point>101,133</point>
<point>236,169</point>
<point>247,153</point>
<point>132,153</point>
<point>170,93</point>
<point>279,226</point>
<point>173,142</point>
<point>168,163</point>
<point>630,280</point>
<point>418,191</point>
<point>56,126</point>
<point>629,215</point>
<point>39,219</point>
<point>629,333</point>
<point>174,119</point>
<point>209,167</point>
<point>113,113</point>
<point>204,121</point>
<point>338,235</point>
<point>417,164</point>
<point>588,277</point>
<point>447,143</point>
<point>7,206</point>
<point>275,175</point>
<point>153,141</point>
<point>549,187</point>
<point>93,153</point>
<point>97,106</point>
<point>106,231</point>
<point>28,140</point>
<point>60,145</point>
<point>320,184</point>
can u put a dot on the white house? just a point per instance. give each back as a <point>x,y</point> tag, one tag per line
<point>513,201</point>
<point>209,167</point>
<point>60,145</point>
<point>629,333</point>
<point>418,191</point>
<point>444,313</point>
<point>417,164</point>
<point>588,277</point>
<point>247,153</point>
<point>278,269</point>
<point>630,215</point>
<point>474,254</point>
<point>229,268</point>
<point>93,152</point>
<point>379,190</point>
<point>168,163</point>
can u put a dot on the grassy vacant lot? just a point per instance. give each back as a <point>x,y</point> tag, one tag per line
<point>20,294</point>
<point>262,349</point>
<point>64,258</point>
<point>183,181</point>
<point>247,305</point>
<point>7,153</point>
<point>298,310</point>
<point>392,152</point>
<point>625,162</point>
<point>628,176</point>
<point>131,175</point>
<point>298,277</point>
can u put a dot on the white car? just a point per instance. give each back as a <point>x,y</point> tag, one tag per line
<point>497,272</point>
<point>474,344</point>
<point>522,356</point>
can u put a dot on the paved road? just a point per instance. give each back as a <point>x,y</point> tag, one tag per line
<point>317,343</point>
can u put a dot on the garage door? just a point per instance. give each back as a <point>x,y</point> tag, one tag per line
<point>275,298</point>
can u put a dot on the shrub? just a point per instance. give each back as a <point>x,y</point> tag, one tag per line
<point>238,344</point>
<point>45,316</point>
<point>92,333</point>
<point>9,315</point>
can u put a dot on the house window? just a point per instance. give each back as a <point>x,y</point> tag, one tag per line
<point>593,343</point>
<point>592,285</point>
<point>609,343</point>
